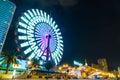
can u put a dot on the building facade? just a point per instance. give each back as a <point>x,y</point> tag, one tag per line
<point>7,10</point>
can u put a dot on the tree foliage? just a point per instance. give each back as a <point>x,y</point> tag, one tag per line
<point>48,65</point>
<point>34,64</point>
<point>9,57</point>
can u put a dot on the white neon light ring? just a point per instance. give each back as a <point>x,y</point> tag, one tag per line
<point>31,31</point>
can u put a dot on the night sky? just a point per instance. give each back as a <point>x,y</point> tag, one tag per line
<point>90,28</point>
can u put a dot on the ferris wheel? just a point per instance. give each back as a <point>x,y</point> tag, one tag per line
<point>38,36</point>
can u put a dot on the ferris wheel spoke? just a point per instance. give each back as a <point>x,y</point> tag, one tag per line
<point>61,42</point>
<point>48,18</point>
<point>59,33</point>
<point>55,27</point>
<point>25,44</point>
<point>59,48</point>
<point>60,52</point>
<point>37,19</point>
<point>21,30</point>
<point>22,25</point>
<point>38,40</point>
<point>37,34</point>
<point>56,55</point>
<point>39,54</point>
<point>33,44</point>
<point>30,35</point>
<point>59,56</point>
<point>33,21</point>
<point>27,16</point>
<point>44,17</point>
<point>30,39</point>
<point>50,22</point>
<point>53,24</point>
<point>56,60</point>
<point>22,37</point>
<point>34,47</point>
<point>37,30</point>
<point>53,56</point>
<point>38,13</point>
<point>51,31</point>
<point>31,56</point>
<point>41,13</point>
<point>31,14</point>
<point>30,30</point>
<point>39,43</point>
<point>30,27</point>
<point>24,19</point>
<point>59,37</point>
<point>34,12</point>
<point>55,37</point>
<point>28,50</point>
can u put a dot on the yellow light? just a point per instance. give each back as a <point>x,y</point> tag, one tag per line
<point>29,62</point>
<point>66,65</point>
<point>16,66</point>
<point>60,68</point>
<point>69,68</point>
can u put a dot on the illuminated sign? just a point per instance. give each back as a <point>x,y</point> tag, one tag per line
<point>77,63</point>
<point>16,66</point>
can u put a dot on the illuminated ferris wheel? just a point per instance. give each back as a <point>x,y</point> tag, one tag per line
<point>38,36</point>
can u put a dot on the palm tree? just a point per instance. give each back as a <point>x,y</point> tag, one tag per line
<point>34,64</point>
<point>9,57</point>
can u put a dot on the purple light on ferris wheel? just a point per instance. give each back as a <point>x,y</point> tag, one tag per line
<point>45,45</point>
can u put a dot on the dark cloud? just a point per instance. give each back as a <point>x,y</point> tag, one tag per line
<point>68,3</point>
<point>48,2</point>
<point>64,3</point>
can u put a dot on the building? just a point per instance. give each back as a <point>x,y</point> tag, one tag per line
<point>7,10</point>
<point>103,64</point>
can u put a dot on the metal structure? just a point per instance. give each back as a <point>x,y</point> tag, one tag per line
<point>7,10</point>
<point>39,37</point>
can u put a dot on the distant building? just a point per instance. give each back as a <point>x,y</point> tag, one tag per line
<point>118,71</point>
<point>86,64</point>
<point>7,10</point>
<point>103,64</point>
<point>95,66</point>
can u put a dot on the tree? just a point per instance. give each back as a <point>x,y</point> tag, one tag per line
<point>48,65</point>
<point>34,64</point>
<point>9,57</point>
